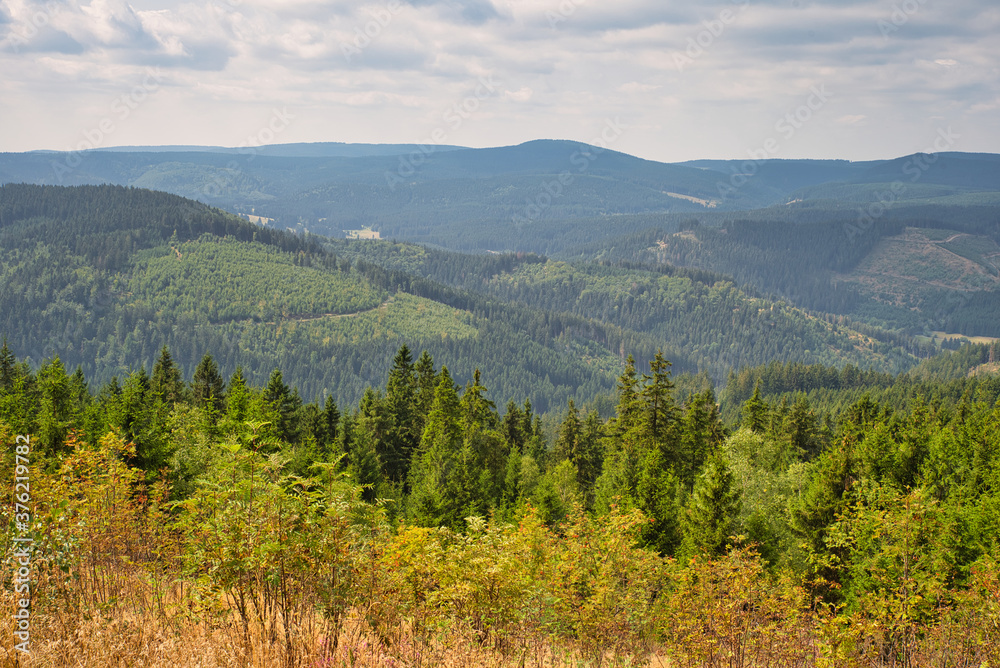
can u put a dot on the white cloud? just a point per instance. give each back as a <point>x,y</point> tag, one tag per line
<point>522,95</point>
<point>229,60</point>
<point>851,119</point>
<point>636,87</point>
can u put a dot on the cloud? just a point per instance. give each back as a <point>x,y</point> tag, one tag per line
<point>384,70</point>
<point>474,12</point>
<point>522,95</point>
<point>853,119</point>
<point>636,87</point>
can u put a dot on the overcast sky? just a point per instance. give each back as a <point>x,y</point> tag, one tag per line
<point>679,80</point>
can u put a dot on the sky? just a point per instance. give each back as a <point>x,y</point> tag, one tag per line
<point>665,80</point>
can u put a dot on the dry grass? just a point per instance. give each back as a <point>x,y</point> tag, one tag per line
<point>182,629</point>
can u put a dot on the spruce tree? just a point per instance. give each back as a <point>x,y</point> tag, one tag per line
<point>433,474</point>
<point>238,398</point>
<point>427,381</point>
<point>285,402</point>
<point>330,421</point>
<point>754,412</point>
<point>8,367</point>
<point>591,455</point>
<point>659,416</point>
<point>207,385</point>
<point>712,509</point>
<point>55,414</point>
<point>567,443</point>
<point>166,382</point>
<point>402,436</point>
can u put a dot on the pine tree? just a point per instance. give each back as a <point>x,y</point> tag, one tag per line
<point>702,433</point>
<point>285,402</point>
<point>55,408</point>
<point>659,416</point>
<point>427,381</point>
<point>629,409</point>
<point>207,385</point>
<point>435,477</point>
<point>713,506</point>
<point>8,367</point>
<point>166,382</point>
<point>363,462</point>
<point>330,421</point>
<point>658,494</point>
<point>754,412</point>
<point>591,455</point>
<point>402,435</point>
<point>801,430</point>
<point>510,427</point>
<point>478,412</point>
<point>238,397</point>
<point>567,444</point>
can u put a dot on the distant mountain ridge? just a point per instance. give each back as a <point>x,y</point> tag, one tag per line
<point>293,150</point>
<point>813,231</point>
<point>103,276</point>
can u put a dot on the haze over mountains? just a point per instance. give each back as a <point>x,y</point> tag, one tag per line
<point>909,244</point>
<point>105,276</point>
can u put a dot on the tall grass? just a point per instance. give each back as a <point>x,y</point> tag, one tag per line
<point>259,569</point>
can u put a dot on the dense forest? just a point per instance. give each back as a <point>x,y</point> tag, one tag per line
<point>242,446</point>
<point>813,260</point>
<point>424,524</point>
<point>828,236</point>
<point>105,276</point>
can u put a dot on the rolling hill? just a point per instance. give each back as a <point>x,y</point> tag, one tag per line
<point>103,276</point>
<point>815,232</point>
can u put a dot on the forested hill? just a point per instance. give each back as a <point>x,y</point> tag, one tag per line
<point>104,276</point>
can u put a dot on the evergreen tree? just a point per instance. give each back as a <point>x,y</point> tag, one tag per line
<point>285,403</point>
<point>713,506</point>
<point>363,462</point>
<point>8,367</point>
<point>629,409</point>
<point>427,382</point>
<point>702,433</point>
<point>658,493</point>
<point>238,398</point>
<point>591,455</point>
<point>55,408</point>
<point>436,476</point>
<point>330,423</point>
<point>754,412</point>
<point>207,385</point>
<point>801,430</point>
<point>567,444</point>
<point>166,382</point>
<point>511,427</point>
<point>403,429</point>
<point>478,412</point>
<point>659,416</point>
